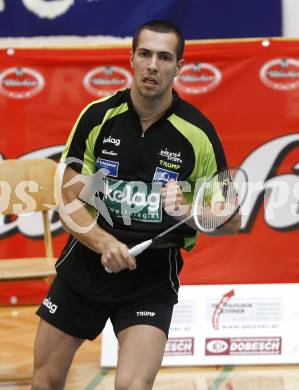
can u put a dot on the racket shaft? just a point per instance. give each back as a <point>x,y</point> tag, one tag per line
<point>139,248</point>
<point>173,227</point>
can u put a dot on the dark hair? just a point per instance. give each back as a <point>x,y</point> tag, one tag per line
<point>162,26</point>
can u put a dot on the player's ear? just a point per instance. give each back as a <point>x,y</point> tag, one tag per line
<point>180,64</point>
<point>131,58</point>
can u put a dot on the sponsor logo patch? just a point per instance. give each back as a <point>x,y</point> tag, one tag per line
<point>133,200</point>
<point>111,140</point>
<point>171,156</point>
<point>111,167</point>
<point>169,165</point>
<point>50,305</point>
<point>164,175</point>
<point>145,313</point>
<point>109,152</point>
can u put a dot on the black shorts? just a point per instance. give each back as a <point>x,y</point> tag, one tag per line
<point>156,275</point>
<point>80,317</point>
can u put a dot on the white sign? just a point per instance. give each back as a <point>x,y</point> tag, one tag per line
<point>226,325</point>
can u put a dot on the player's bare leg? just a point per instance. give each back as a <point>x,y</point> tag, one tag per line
<point>53,354</point>
<point>140,356</point>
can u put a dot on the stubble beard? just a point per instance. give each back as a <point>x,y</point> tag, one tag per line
<point>150,94</point>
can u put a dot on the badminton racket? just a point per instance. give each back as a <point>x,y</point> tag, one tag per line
<point>218,199</point>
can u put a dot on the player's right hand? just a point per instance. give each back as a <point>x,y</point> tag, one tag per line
<point>116,256</point>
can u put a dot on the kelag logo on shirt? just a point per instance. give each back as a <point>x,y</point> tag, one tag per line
<point>134,199</point>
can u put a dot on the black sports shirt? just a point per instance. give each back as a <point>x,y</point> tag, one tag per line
<point>182,145</point>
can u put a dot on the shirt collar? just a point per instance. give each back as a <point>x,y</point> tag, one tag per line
<point>168,112</point>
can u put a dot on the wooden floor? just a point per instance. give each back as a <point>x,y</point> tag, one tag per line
<point>17,330</point>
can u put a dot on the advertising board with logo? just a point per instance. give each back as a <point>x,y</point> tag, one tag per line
<point>103,81</point>
<point>21,83</point>
<point>198,78</point>
<point>64,18</point>
<point>227,324</point>
<point>248,89</point>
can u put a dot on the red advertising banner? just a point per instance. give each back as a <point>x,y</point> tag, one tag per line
<point>248,89</point>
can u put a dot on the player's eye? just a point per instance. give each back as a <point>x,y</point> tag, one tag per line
<point>165,57</point>
<point>143,53</point>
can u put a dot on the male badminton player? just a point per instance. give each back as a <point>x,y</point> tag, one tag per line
<point>146,139</point>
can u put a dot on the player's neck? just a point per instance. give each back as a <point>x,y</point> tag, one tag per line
<point>150,109</point>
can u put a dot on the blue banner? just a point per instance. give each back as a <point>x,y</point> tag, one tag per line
<point>198,19</point>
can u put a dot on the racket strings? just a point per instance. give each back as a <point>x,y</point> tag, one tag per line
<point>218,201</point>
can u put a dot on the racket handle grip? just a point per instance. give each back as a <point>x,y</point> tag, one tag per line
<point>135,250</point>
<point>139,248</point>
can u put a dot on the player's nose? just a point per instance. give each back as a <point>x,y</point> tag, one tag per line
<point>153,63</point>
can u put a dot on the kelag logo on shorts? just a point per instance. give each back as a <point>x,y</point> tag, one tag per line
<point>136,200</point>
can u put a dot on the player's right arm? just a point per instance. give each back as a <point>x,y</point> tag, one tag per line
<point>77,220</point>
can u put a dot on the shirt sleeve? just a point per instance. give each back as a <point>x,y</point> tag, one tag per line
<point>79,149</point>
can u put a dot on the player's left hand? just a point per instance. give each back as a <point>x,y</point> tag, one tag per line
<point>173,200</point>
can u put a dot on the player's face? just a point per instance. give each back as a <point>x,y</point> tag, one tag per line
<point>155,63</point>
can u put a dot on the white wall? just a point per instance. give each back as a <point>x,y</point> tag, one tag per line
<point>290,18</point>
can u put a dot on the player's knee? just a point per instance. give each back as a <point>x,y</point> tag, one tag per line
<point>133,383</point>
<point>43,381</point>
